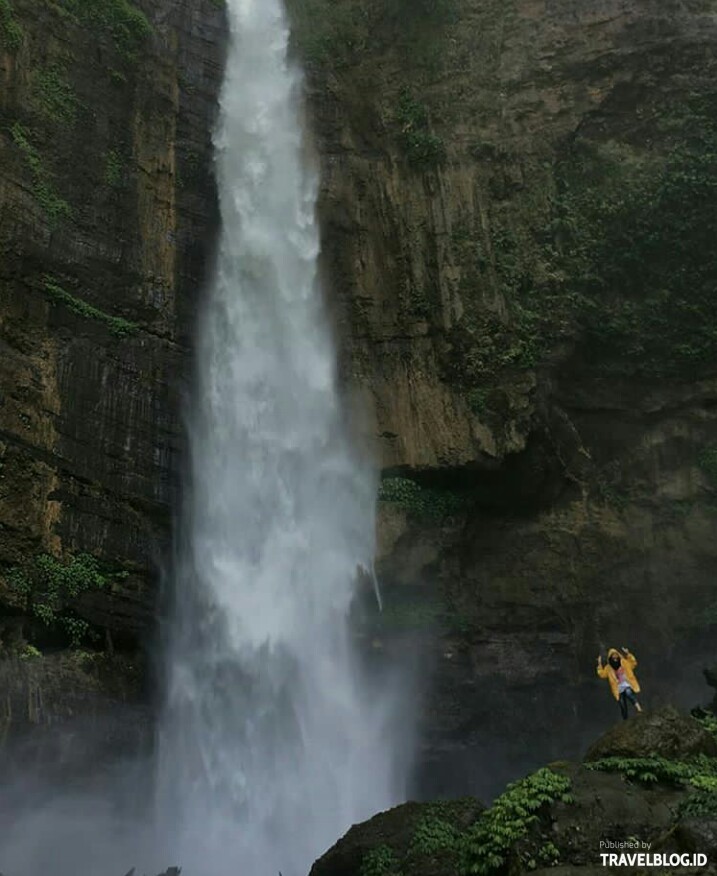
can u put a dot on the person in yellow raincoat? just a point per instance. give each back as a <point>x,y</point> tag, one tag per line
<point>620,672</point>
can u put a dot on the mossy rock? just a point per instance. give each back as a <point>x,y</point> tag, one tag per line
<point>392,834</point>
<point>665,733</point>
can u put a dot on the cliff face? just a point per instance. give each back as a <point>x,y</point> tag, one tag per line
<point>106,219</point>
<point>518,212</point>
<point>517,204</point>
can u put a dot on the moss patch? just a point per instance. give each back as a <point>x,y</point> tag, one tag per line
<point>637,233</point>
<point>115,170</point>
<point>118,326</point>
<point>421,145</point>
<point>122,20</point>
<point>423,502</point>
<point>55,208</point>
<point>380,861</point>
<point>54,96</point>
<point>10,31</point>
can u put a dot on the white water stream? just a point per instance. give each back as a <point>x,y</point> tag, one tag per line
<point>274,741</point>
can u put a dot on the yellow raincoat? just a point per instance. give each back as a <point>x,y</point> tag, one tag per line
<point>628,663</point>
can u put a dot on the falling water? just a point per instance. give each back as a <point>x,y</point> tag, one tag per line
<point>274,741</point>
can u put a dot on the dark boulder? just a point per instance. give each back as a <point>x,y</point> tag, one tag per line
<point>665,733</point>
<point>698,835</point>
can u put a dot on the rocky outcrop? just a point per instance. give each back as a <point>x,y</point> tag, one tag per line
<point>558,820</point>
<point>666,733</point>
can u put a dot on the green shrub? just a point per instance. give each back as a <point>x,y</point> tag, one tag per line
<point>329,33</point>
<point>29,652</point>
<point>477,399</point>
<point>54,96</point>
<point>380,861</point>
<point>114,170</point>
<point>425,502</point>
<point>54,207</point>
<point>45,585</point>
<point>703,802</point>
<point>489,841</point>
<point>10,31</point>
<point>118,326</point>
<point>707,719</point>
<point>655,770</point>
<point>122,20</point>
<point>435,836</point>
<point>421,146</point>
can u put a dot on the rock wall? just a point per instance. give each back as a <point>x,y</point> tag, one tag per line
<point>516,197</point>
<point>107,216</point>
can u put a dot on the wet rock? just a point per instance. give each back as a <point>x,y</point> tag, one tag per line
<point>666,733</point>
<point>696,835</point>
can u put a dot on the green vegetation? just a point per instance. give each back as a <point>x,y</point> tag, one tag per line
<point>702,804</point>
<point>634,233</point>
<point>29,652</point>
<point>380,861</point>
<point>435,835</point>
<point>421,146</point>
<point>548,856</point>
<point>423,502</point>
<point>54,207</point>
<point>707,719</point>
<point>484,846</point>
<point>697,775</point>
<point>122,20</point>
<point>478,400</point>
<point>489,841</point>
<point>54,96</point>
<point>45,586</point>
<point>335,33</point>
<point>10,30</point>
<point>622,257</point>
<point>118,326</point>
<point>695,772</point>
<point>330,34</point>
<point>114,170</point>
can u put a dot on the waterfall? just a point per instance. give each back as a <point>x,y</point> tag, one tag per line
<point>273,740</point>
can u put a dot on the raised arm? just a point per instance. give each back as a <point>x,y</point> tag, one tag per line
<point>629,658</point>
<point>601,670</point>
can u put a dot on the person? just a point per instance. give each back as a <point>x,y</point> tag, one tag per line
<point>620,672</point>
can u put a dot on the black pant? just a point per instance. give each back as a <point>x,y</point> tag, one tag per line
<point>626,695</point>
